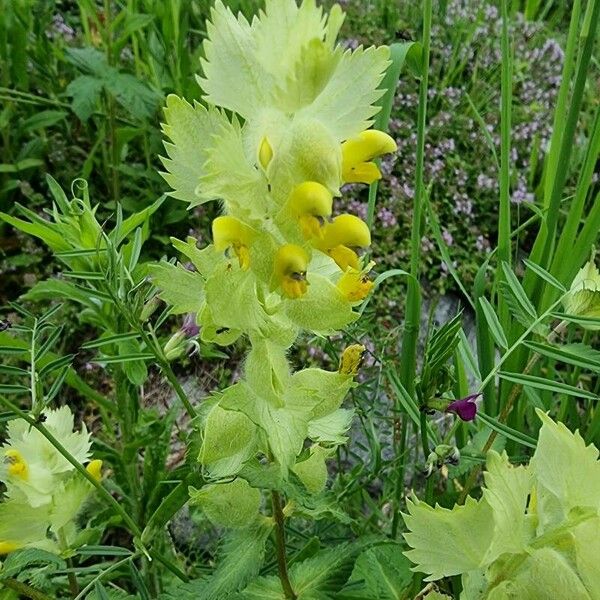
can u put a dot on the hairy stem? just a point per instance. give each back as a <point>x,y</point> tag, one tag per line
<point>24,590</point>
<point>280,541</point>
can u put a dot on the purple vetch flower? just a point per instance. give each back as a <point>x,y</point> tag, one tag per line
<point>189,325</point>
<point>465,408</point>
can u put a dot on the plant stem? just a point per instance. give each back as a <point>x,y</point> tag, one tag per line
<point>399,487</point>
<point>280,541</point>
<point>413,299</point>
<point>24,590</point>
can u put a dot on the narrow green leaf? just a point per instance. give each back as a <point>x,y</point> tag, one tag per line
<point>507,431</point>
<point>109,360</point>
<point>542,383</point>
<point>543,274</point>
<point>111,339</point>
<point>493,323</point>
<point>579,355</point>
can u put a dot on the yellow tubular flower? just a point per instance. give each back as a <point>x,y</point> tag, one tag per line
<point>311,202</point>
<point>94,468</point>
<point>229,232</point>
<point>265,153</point>
<point>340,236</point>
<point>355,285</point>
<point>6,547</point>
<point>351,359</point>
<point>17,466</point>
<point>290,266</point>
<point>358,152</point>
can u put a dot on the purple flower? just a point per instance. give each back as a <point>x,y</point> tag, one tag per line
<point>465,408</point>
<point>189,326</point>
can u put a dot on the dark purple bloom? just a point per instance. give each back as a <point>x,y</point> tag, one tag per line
<point>465,408</point>
<point>189,326</point>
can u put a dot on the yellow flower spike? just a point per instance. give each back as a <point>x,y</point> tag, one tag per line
<point>17,465</point>
<point>355,285</point>
<point>229,232</point>
<point>6,547</point>
<point>265,153</point>
<point>290,266</point>
<point>94,468</point>
<point>351,359</point>
<point>358,151</point>
<point>311,202</point>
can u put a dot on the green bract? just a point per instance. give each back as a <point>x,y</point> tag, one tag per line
<point>284,126</point>
<point>532,536</point>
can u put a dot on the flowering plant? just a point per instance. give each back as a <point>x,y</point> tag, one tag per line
<point>280,261</point>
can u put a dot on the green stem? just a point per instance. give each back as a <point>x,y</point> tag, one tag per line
<point>24,590</point>
<point>280,543</point>
<point>399,487</point>
<point>413,300</point>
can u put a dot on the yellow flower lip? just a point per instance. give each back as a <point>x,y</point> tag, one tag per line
<point>355,284</point>
<point>359,151</point>
<point>289,269</point>
<point>346,230</point>
<point>229,232</point>
<point>17,465</point>
<point>342,234</point>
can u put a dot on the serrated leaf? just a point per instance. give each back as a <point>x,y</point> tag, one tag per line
<point>181,288</point>
<point>85,92</point>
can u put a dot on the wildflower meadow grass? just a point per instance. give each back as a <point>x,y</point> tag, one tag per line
<point>299,300</point>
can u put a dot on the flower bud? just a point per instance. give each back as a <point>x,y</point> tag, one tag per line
<point>94,468</point>
<point>290,266</point>
<point>149,308</point>
<point>175,346</point>
<point>351,360</point>
<point>265,153</point>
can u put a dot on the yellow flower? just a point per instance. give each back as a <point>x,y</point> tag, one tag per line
<point>358,152</point>
<point>94,468</point>
<point>17,465</point>
<point>229,232</point>
<point>290,266</point>
<point>311,202</point>
<point>351,359</point>
<point>355,285</point>
<point>339,238</point>
<point>7,546</point>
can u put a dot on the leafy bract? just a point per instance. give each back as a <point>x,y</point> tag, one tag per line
<point>533,533</point>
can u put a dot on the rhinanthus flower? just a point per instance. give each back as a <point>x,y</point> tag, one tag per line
<point>43,489</point>
<point>286,124</point>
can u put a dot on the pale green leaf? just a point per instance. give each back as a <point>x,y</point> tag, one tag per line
<point>507,489</point>
<point>448,542</point>
<point>189,129</point>
<point>566,468</point>
<point>347,103</point>
<point>179,287</point>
